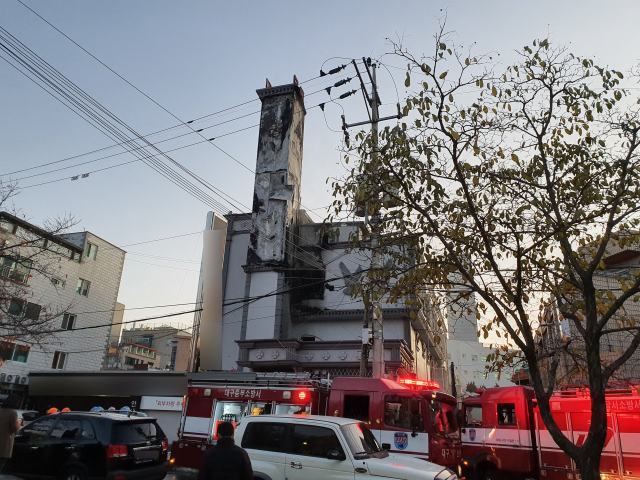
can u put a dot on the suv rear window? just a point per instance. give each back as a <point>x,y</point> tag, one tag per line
<point>139,432</point>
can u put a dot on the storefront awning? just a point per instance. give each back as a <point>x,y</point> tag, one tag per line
<point>108,383</point>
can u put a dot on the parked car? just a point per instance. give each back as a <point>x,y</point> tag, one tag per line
<point>310,447</point>
<point>79,446</point>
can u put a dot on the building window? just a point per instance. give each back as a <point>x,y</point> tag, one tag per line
<point>474,358</point>
<point>495,375</point>
<point>129,361</point>
<point>83,287</point>
<point>7,225</point>
<point>59,360</point>
<point>15,269</point>
<point>32,311</point>
<point>475,374</point>
<point>68,321</point>
<point>13,352</point>
<point>58,283</point>
<point>448,356</point>
<point>90,251</point>
<point>484,358</point>
<point>174,352</point>
<point>464,355</point>
<point>15,307</point>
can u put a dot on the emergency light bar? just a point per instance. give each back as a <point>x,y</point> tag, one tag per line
<point>419,383</point>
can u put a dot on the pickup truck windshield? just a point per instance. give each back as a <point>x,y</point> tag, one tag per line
<point>360,439</point>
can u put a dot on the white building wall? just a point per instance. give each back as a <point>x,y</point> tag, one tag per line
<point>86,348</point>
<point>233,295</point>
<point>469,360</point>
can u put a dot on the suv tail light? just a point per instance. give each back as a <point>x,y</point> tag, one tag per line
<point>165,445</point>
<point>117,451</point>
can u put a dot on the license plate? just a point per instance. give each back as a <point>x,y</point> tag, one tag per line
<point>141,455</point>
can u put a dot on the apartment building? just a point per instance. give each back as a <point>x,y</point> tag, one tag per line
<point>172,342</point>
<point>77,291</point>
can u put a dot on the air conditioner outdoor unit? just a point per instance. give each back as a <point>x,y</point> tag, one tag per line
<point>2,376</point>
<point>9,378</point>
<point>24,380</point>
<point>16,379</point>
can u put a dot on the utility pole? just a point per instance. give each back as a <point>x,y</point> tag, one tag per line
<point>376,263</point>
<point>377,349</point>
<point>364,353</point>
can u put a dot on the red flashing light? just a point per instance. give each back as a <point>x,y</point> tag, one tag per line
<point>429,384</point>
<point>302,395</point>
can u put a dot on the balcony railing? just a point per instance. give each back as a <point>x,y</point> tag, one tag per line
<point>13,274</point>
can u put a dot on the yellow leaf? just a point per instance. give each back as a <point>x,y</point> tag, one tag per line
<point>494,92</point>
<point>455,135</point>
<point>514,157</point>
<point>442,75</point>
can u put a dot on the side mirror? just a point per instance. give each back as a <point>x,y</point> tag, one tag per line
<point>463,430</point>
<point>30,416</point>
<point>336,455</point>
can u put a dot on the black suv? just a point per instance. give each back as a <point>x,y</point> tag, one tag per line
<point>79,445</point>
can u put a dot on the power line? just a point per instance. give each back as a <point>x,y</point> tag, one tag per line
<point>157,132</point>
<point>85,106</point>
<point>129,151</point>
<point>109,324</point>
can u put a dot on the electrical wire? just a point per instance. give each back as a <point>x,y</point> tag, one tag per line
<point>85,106</point>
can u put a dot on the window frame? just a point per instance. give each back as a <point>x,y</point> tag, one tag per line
<point>32,306</point>
<point>75,438</point>
<point>290,450</point>
<point>91,251</point>
<point>55,364</point>
<point>358,395</point>
<point>69,321</point>
<point>515,415</point>
<point>80,288</point>
<point>285,445</point>
<point>421,426</point>
<point>473,425</point>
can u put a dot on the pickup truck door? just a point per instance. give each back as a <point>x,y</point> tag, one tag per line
<point>307,459</point>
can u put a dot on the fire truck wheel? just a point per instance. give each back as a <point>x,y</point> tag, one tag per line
<point>490,473</point>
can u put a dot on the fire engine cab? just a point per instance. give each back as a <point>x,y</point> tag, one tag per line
<point>503,434</point>
<point>407,416</point>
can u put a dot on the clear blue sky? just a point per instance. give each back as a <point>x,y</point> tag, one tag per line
<point>197,57</point>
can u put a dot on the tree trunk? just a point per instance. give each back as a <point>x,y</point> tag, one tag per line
<point>589,465</point>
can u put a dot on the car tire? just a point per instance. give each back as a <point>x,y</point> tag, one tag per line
<point>74,473</point>
<point>491,474</point>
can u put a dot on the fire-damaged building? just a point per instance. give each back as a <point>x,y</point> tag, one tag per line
<point>287,281</point>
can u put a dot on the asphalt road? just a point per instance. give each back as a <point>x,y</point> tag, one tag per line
<point>178,475</point>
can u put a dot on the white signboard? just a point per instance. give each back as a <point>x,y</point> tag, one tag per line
<point>161,403</point>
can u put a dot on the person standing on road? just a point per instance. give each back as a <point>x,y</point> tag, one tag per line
<point>226,461</point>
<point>9,426</point>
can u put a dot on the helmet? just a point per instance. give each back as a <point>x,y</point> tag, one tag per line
<point>97,409</point>
<point>66,409</point>
<point>52,410</point>
<point>125,409</point>
<point>112,409</point>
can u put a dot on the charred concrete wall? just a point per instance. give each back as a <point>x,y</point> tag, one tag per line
<point>276,197</point>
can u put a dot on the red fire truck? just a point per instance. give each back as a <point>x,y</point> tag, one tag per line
<point>503,434</point>
<point>407,416</point>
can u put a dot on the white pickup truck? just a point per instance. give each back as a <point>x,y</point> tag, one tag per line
<point>308,447</point>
